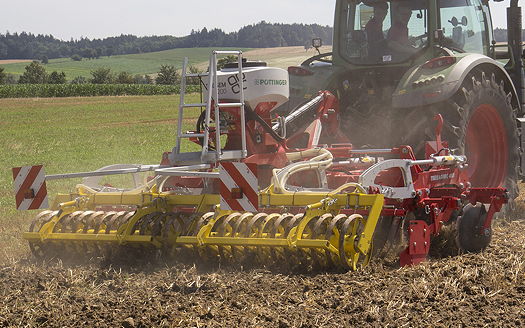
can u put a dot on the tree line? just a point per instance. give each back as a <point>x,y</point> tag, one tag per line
<point>35,73</point>
<point>261,35</point>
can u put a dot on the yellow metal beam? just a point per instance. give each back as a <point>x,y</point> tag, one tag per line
<point>100,237</point>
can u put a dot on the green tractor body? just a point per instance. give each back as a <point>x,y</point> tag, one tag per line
<point>396,64</point>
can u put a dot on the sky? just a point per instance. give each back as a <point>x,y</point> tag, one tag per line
<point>66,19</point>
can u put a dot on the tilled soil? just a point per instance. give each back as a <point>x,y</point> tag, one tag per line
<point>486,289</point>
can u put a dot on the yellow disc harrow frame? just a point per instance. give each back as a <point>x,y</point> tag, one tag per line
<point>318,230</point>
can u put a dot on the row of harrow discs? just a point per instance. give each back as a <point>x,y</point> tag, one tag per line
<point>318,237</point>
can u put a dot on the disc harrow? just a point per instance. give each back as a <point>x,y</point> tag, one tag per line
<point>320,229</point>
<point>319,236</point>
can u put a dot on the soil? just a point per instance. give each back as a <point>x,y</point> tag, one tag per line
<point>14,61</point>
<point>473,290</point>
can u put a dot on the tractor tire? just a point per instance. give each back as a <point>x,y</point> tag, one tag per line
<point>469,237</point>
<point>480,122</point>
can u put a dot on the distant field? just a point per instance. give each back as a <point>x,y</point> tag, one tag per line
<point>284,56</point>
<point>149,63</point>
<point>146,63</point>
<point>14,61</point>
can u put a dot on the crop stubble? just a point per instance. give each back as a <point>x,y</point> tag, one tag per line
<point>467,290</point>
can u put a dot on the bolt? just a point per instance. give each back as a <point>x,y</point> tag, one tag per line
<point>486,232</point>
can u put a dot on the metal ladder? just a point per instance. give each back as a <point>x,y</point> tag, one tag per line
<point>207,155</point>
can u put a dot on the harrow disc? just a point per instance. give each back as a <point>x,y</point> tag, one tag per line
<point>326,241</point>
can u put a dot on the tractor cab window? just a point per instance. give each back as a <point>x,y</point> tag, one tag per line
<point>463,25</point>
<point>383,32</point>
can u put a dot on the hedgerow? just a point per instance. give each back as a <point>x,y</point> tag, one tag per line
<point>88,90</point>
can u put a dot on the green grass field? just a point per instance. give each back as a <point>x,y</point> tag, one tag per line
<point>146,63</point>
<point>77,134</point>
<point>149,63</point>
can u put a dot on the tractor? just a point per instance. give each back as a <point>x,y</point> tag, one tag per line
<point>396,64</point>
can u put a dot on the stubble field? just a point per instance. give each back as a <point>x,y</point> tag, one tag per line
<point>79,134</point>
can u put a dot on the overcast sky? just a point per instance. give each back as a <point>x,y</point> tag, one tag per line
<point>67,19</point>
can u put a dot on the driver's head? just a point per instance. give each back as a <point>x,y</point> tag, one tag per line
<point>402,13</point>
<point>380,10</point>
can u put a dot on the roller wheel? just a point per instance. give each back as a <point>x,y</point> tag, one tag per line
<point>469,237</point>
<point>480,122</point>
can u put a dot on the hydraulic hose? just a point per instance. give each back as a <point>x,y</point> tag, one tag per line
<point>321,161</point>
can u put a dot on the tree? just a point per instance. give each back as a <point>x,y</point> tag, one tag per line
<point>102,76</point>
<point>125,78</point>
<point>44,59</point>
<point>3,76</point>
<point>57,78</point>
<point>89,53</point>
<point>142,79</point>
<point>11,79</point>
<point>167,75</point>
<point>35,73</point>
<point>225,60</point>
<point>138,79</point>
<point>3,50</point>
<point>194,70</point>
<point>79,80</point>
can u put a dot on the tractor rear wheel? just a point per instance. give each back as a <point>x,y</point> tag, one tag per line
<point>480,122</point>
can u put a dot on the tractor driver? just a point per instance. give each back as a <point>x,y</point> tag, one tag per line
<point>374,29</point>
<point>397,36</point>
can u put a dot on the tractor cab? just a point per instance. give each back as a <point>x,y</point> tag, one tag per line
<point>391,32</point>
<point>382,32</point>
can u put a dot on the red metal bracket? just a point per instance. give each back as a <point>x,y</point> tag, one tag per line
<point>418,244</point>
<point>496,203</point>
<point>440,210</point>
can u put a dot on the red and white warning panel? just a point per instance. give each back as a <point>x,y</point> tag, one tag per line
<point>30,187</point>
<point>239,186</point>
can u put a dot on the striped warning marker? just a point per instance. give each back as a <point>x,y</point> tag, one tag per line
<point>239,186</point>
<point>30,187</point>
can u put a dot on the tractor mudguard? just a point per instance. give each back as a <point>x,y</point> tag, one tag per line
<point>423,86</point>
